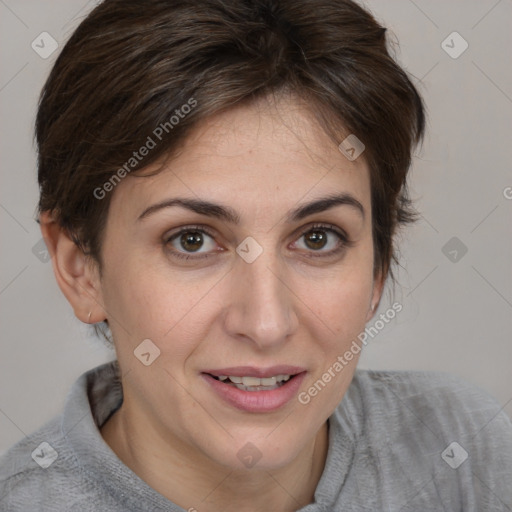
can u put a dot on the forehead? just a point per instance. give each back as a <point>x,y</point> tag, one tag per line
<point>268,153</point>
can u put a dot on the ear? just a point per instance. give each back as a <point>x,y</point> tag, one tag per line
<point>77,275</point>
<point>378,286</point>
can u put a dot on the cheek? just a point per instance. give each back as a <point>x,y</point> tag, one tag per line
<point>341,302</point>
<point>146,302</point>
<point>134,298</point>
<point>341,307</point>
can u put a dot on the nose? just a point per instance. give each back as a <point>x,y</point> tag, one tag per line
<point>262,302</point>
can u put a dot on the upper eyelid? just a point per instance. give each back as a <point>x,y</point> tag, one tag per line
<point>304,229</point>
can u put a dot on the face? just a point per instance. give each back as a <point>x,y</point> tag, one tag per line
<point>253,284</point>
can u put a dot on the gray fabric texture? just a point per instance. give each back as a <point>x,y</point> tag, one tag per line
<point>390,449</point>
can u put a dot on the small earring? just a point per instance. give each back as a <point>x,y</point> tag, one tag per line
<point>373,307</point>
<point>89,317</point>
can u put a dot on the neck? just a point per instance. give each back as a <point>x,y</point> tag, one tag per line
<point>186,478</point>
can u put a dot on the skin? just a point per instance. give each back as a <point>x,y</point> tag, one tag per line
<point>289,306</point>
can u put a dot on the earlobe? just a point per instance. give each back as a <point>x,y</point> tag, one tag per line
<point>376,295</point>
<point>371,312</point>
<point>76,275</point>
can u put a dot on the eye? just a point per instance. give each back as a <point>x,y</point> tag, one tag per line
<point>188,242</point>
<point>197,242</point>
<point>324,239</point>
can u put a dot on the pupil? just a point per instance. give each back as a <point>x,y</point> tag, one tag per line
<point>193,238</point>
<point>317,238</point>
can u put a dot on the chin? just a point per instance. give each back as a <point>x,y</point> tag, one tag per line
<point>258,452</point>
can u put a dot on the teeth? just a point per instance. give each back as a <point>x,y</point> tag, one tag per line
<point>255,381</point>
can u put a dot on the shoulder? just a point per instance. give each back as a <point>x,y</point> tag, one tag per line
<point>26,479</point>
<point>441,400</point>
<point>441,403</point>
<point>44,471</point>
<point>435,428</point>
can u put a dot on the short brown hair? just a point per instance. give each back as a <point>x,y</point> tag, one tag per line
<point>130,65</point>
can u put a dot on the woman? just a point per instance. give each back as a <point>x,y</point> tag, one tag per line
<point>220,187</point>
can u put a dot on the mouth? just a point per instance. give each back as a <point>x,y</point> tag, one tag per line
<point>255,390</point>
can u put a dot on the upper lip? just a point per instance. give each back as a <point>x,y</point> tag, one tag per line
<point>252,371</point>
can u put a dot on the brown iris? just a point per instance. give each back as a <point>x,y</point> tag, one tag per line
<point>191,240</point>
<point>316,239</point>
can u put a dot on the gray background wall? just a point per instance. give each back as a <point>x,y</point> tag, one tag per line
<point>457,307</point>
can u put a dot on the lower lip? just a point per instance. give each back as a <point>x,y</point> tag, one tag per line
<point>256,401</point>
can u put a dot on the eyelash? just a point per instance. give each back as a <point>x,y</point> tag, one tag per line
<point>345,242</point>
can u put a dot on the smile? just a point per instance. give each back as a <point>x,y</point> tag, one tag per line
<point>254,390</point>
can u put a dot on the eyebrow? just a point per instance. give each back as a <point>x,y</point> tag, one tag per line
<point>227,213</point>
